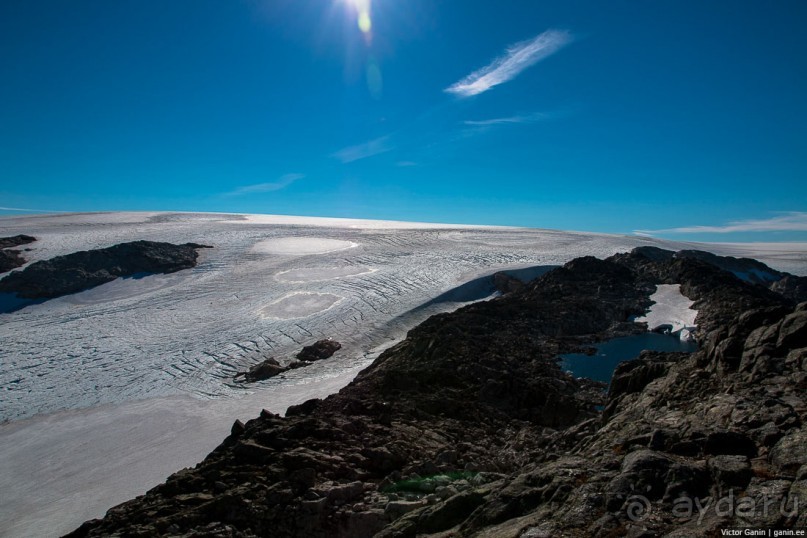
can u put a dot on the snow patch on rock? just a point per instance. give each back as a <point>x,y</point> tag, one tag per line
<point>670,309</point>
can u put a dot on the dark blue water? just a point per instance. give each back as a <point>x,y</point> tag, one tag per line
<point>600,366</point>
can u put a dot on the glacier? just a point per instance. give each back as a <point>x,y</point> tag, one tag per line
<point>107,391</point>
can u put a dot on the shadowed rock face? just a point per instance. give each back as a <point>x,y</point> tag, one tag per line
<point>11,259</point>
<point>79,271</point>
<point>469,428</point>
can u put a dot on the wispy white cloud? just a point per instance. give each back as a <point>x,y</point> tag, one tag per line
<point>362,151</point>
<point>792,221</point>
<point>26,210</point>
<point>528,118</point>
<point>282,182</point>
<point>516,59</point>
<point>404,164</point>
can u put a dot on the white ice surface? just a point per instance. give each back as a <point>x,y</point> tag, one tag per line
<point>670,307</point>
<point>110,390</point>
<point>59,470</point>
<point>300,246</point>
<point>318,274</point>
<point>299,304</point>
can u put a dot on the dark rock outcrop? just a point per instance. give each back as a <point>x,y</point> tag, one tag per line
<point>16,241</point>
<point>11,259</point>
<point>469,428</point>
<point>270,367</point>
<point>261,371</point>
<point>319,350</point>
<point>75,272</point>
<point>748,270</point>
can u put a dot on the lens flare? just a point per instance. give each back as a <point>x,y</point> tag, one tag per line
<point>361,9</point>
<point>375,82</point>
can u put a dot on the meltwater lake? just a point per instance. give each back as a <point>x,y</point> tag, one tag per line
<point>601,365</point>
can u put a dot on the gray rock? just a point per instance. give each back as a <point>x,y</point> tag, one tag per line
<point>763,502</point>
<point>396,509</point>
<point>797,496</point>
<point>343,493</point>
<point>643,472</point>
<point>633,376</point>
<point>789,454</point>
<point>793,331</point>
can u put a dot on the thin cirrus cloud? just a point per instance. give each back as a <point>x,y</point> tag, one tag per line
<point>528,118</point>
<point>282,182</point>
<point>26,210</point>
<point>516,59</point>
<point>792,221</point>
<point>362,151</point>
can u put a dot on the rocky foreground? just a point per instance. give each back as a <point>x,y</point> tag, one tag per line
<point>79,271</point>
<point>469,427</point>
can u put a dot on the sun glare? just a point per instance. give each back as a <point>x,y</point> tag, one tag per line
<point>363,19</point>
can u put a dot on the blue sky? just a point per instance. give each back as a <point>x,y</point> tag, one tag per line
<point>681,119</point>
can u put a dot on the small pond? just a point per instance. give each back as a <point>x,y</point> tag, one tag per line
<point>601,365</point>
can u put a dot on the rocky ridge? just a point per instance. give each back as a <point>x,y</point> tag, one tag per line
<point>75,272</point>
<point>469,428</point>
